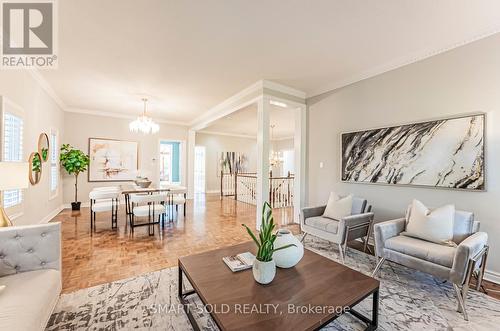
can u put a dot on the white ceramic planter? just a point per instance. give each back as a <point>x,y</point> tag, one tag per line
<point>264,272</point>
<point>288,257</point>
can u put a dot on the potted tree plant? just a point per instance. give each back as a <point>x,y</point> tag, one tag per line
<point>264,267</point>
<point>74,161</point>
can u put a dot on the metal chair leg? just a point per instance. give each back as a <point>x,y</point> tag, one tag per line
<point>378,266</point>
<point>482,269</point>
<point>341,253</point>
<point>461,295</point>
<point>303,237</point>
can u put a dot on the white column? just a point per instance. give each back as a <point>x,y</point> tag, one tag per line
<point>262,156</point>
<point>190,163</point>
<point>300,144</point>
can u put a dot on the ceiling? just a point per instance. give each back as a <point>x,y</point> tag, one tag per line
<point>189,55</point>
<point>244,123</point>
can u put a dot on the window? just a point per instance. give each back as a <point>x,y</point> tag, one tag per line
<point>170,162</point>
<point>12,151</point>
<point>54,164</point>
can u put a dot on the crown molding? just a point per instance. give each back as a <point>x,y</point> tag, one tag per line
<point>237,135</point>
<point>44,84</point>
<point>245,97</point>
<point>228,134</point>
<point>395,64</point>
<point>283,89</point>
<point>227,106</point>
<point>118,115</point>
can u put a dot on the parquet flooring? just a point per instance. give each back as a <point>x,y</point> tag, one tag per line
<point>108,255</point>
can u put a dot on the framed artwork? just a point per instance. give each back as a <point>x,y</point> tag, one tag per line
<point>447,153</point>
<point>112,160</point>
<point>231,162</point>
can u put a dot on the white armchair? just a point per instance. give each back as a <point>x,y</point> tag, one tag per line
<point>30,268</point>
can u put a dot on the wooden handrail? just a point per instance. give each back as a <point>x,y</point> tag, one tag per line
<point>280,188</point>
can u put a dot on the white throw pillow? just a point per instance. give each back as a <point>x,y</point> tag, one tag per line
<point>337,207</point>
<point>435,225</point>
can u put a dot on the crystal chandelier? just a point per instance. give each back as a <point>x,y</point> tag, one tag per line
<point>143,123</point>
<point>275,158</point>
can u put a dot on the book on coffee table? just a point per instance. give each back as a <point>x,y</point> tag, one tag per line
<point>240,261</point>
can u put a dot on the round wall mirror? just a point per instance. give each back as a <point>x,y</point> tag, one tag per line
<point>43,146</point>
<point>35,163</point>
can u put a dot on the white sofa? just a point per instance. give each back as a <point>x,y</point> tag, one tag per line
<point>30,268</point>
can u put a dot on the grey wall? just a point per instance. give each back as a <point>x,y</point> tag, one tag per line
<point>214,144</point>
<point>41,114</point>
<point>80,127</point>
<point>461,81</point>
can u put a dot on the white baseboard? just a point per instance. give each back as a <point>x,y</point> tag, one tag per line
<point>87,204</point>
<point>83,204</point>
<point>492,276</point>
<point>51,215</point>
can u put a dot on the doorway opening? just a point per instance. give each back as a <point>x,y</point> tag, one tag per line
<point>170,163</point>
<point>199,169</point>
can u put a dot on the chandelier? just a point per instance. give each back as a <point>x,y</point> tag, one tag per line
<point>275,158</point>
<point>143,123</point>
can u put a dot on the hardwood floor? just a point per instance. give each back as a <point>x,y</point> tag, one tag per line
<point>108,255</point>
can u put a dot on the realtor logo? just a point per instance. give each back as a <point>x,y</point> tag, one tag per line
<point>28,34</point>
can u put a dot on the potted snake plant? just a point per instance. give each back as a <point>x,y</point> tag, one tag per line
<point>264,267</point>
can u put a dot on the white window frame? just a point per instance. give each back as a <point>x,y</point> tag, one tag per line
<point>54,193</point>
<point>10,107</point>
<point>182,160</point>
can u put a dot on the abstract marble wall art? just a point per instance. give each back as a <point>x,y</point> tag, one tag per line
<point>231,162</point>
<point>112,160</point>
<point>446,153</point>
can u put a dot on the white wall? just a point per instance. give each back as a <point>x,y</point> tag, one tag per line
<point>80,127</point>
<point>41,114</point>
<point>461,81</point>
<point>281,146</point>
<point>214,145</point>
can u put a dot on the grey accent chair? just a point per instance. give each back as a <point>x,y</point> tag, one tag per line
<point>30,268</point>
<point>454,264</point>
<point>357,225</point>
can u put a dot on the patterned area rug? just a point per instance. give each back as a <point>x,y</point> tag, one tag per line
<point>409,300</point>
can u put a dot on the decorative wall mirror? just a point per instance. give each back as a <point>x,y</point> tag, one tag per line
<point>35,163</point>
<point>43,146</point>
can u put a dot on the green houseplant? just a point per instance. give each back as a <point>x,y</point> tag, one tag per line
<point>74,161</point>
<point>264,268</point>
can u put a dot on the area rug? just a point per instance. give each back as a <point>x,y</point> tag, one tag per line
<point>409,300</point>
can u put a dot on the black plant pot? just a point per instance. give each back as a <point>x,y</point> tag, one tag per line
<point>75,205</point>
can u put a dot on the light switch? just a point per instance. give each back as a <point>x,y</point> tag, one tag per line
<point>321,165</point>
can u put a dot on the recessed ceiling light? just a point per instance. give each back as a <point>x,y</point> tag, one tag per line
<point>278,103</point>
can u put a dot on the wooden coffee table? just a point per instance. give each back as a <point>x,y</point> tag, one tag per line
<point>306,297</point>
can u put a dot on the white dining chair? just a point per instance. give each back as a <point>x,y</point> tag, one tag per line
<point>150,205</point>
<point>103,201</point>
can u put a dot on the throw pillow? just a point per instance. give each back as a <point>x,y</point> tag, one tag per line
<point>435,226</point>
<point>337,207</point>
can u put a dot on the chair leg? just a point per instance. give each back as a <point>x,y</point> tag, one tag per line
<point>480,275</point>
<point>341,254</point>
<point>461,297</point>
<point>303,237</point>
<point>378,266</point>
